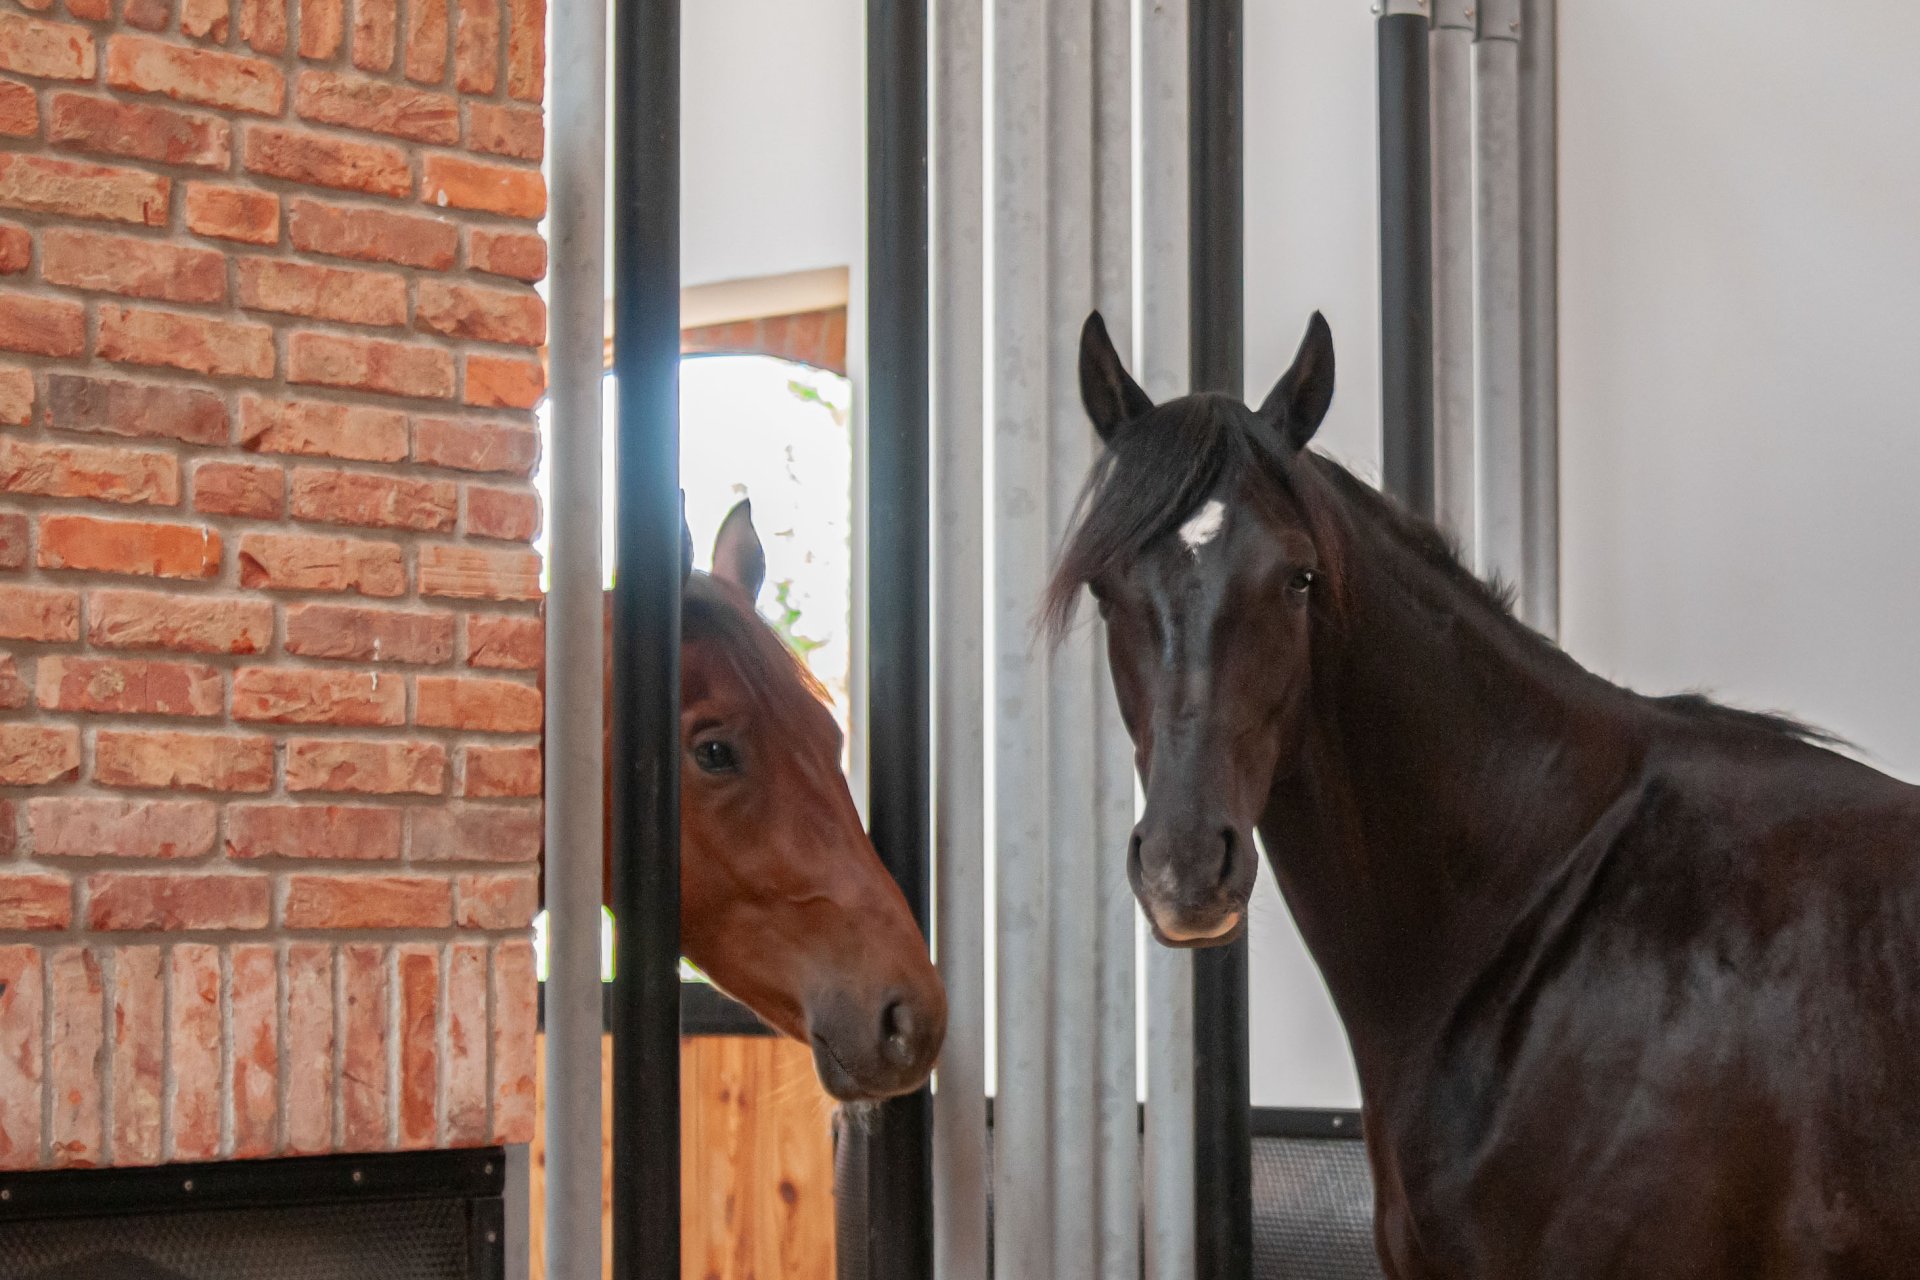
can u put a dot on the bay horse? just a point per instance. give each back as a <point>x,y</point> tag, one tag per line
<point>784,903</point>
<point>1632,983</point>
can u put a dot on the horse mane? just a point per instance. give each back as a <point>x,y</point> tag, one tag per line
<point>716,613</point>
<point>1158,469</point>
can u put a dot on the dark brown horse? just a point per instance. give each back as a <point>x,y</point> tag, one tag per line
<point>1632,983</point>
<point>784,903</point>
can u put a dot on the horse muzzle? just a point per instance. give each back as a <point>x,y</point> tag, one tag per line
<point>1193,887</point>
<point>865,1051</point>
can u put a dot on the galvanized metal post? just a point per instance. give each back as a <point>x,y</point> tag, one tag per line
<point>1406,255</point>
<point>576,695</point>
<point>1540,314</point>
<point>1451,72</point>
<point>1499,547</point>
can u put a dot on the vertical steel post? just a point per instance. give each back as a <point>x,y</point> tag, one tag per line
<point>1498,449</point>
<point>646,638</point>
<point>1406,256</point>
<point>1540,314</point>
<point>1450,67</point>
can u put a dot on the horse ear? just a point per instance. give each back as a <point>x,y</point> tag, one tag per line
<point>1111,395</point>
<point>686,543</point>
<point>1300,399</point>
<point>738,556</point>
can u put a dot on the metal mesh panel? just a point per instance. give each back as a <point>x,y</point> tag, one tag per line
<point>849,1199</point>
<point>1312,1210</point>
<point>394,1240</point>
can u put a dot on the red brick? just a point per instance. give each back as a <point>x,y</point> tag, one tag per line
<point>177,902</point>
<point>375,24</point>
<point>382,501</point>
<point>322,24</point>
<point>365,1081</point>
<point>325,293</point>
<point>88,471</point>
<point>356,432</point>
<point>78,403</point>
<point>309,1043</point>
<point>45,50</point>
<point>519,132</point>
<point>480,313</point>
<point>369,635</point>
<point>460,183</point>
<point>193,1037</point>
<point>497,382</point>
<point>118,619</point>
<point>239,489</point>
<point>299,562</point>
<point>206,19</point>
<point>162,761</point>
<point>42,326</point>
<point>515,1005</point>
<point>35,902</point>
<point>128,546</point>
<point>33,755</point>
<point>322,160</point>
<point>70,189</point>
<point>343,832</point>
<point>254,1004</point>
<point>300,696</point>
<point>509,514</point>
<point>233,213</point>
<point>484,706</point>
<point>520,255</point>
<point>110,827</point>
<point>426,61</point>
<point>122,686</point>
<point>9,825</point>
<point>209,77</point>
<point>19,110</point>
<point>372,235</point>
<point>148,15</point>
<point>477,47</point>
<point>263,25</point>
<point>139,131</point>
<point>16,249</point>
<point>477,833</point>
<point>472,444</point>
<point>468,1046</point>
<point>14,533</point>
<point>367,901</point>
<point>505,643</point>
<point>371,768</point>
<point>370,364</point>
<point>418,969</point>
<point>16,396</point>
<point>496,901</point>
<point>473,573</point>
<point>196,343</point>
<point>76,1052</point>
<point>377,106</point>
<point>527,49</point>
<point>22,1005</point>
<point>14,693</point>
<point>139,1053</point>
<point>91,10</point>
<point>502,771</point>
<point>47,615</point>
<point>138,268</point>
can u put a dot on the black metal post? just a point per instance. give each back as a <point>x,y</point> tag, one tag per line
<point>899,1165</point>
<point>1222,1106</point>
<point>1406,260</point>
<point>646,643</point>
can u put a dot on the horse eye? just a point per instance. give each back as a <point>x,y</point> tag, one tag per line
<point>1302,581</point>
<point>715,756</point>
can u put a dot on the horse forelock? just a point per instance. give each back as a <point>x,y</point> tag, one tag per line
<point>718,615</point>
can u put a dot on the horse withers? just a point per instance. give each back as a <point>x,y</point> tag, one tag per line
<point>784,902</point>
<point>1632,983</point>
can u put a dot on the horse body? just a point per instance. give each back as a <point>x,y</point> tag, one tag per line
<point>1632,984</point>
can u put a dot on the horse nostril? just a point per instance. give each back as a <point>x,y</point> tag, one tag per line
<point>896,1033</point>
<point>1227,841</point>
<point>1133,858</point>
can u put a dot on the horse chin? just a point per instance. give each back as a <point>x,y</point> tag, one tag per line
<point>843,1086</point>
<point>1232,927</point>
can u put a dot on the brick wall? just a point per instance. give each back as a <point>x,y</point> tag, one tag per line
<point>269,763</point>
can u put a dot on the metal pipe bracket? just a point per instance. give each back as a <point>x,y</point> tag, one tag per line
<point>1496,19</point>
<point>1401,8</point>
<point>1454,15</point>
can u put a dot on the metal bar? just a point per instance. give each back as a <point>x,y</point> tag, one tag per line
<point>1223,1147</point>
<point>1162,316</point>
<point>1500,480</point>
<point>1450,65</point>
<point>958,290</point>
<point>576,665</point>
<point>1540,314</point>
<point>646,644</point>
<point>1406,266</point>
<point>899,1201</point>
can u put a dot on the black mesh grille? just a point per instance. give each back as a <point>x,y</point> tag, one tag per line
<point>393,1240</point>
<point>1312,1210</point>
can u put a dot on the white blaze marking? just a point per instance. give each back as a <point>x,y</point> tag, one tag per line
<point>1204,527</point>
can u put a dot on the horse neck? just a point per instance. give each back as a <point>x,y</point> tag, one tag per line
<point>1450,759</point>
